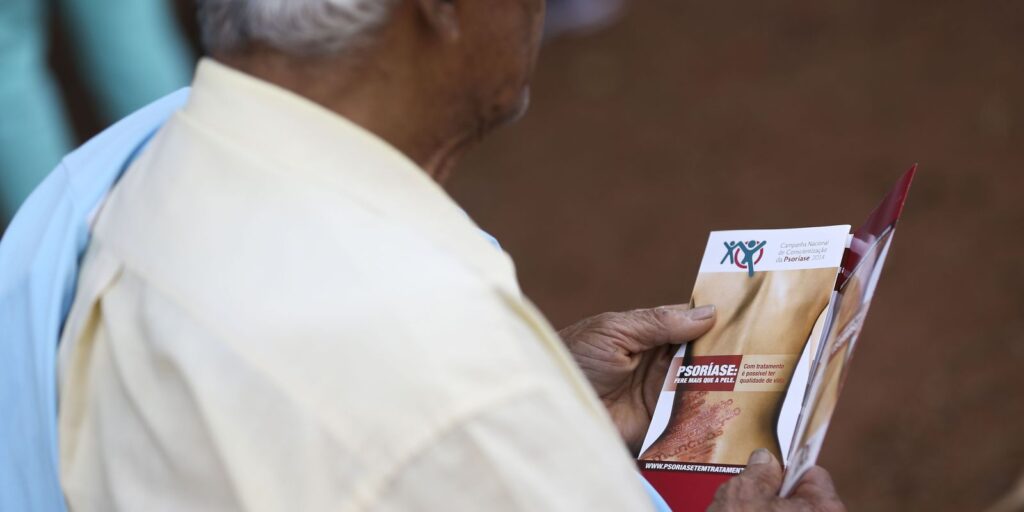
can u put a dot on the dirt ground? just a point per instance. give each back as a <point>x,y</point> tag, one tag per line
<point>689,116</point>
<point>693,116</point>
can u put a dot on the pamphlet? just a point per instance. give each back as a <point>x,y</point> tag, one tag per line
<point>791,303</point>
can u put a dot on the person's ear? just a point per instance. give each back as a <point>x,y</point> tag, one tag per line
<point>442,16</point>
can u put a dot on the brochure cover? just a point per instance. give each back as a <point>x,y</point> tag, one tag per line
<point>790,305</point>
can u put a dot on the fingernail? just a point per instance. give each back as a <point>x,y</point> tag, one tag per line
<point>760,456</point>
<point>702,313</point>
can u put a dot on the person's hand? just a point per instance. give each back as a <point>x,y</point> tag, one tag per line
<point>625,357</point>
<point>756,489</point>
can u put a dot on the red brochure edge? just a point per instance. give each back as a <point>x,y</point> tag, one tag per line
<point>883,218</point>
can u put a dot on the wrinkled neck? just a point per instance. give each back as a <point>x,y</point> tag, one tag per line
<point>419,119</point>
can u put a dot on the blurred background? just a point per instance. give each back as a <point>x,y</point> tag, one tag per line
<point>657,121</point>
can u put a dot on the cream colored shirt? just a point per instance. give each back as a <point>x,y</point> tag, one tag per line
<point>279,311</point>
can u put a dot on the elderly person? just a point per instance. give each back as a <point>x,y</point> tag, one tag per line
<point>281,308</point>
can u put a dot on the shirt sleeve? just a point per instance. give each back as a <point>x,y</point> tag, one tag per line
<point>520,455</point>
<point>161,410</point>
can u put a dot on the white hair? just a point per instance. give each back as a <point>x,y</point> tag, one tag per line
<point>294,26</point>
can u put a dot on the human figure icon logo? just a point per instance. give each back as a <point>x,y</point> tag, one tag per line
<point>752,252</point>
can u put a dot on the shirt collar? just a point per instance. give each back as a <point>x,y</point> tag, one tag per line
<point>316,144</point>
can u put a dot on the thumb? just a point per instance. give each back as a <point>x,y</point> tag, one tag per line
<point>764,471</point>
<point>650,328</point>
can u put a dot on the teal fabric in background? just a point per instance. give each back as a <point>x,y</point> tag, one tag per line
<point>128,53</point>
<point>33,131</point>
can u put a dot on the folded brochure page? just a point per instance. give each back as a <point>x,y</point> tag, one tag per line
<point>790,306</point>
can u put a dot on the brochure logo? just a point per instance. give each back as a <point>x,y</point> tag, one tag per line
<point>752,252</point>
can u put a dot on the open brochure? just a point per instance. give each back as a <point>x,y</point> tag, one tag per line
<point>791,303</point>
